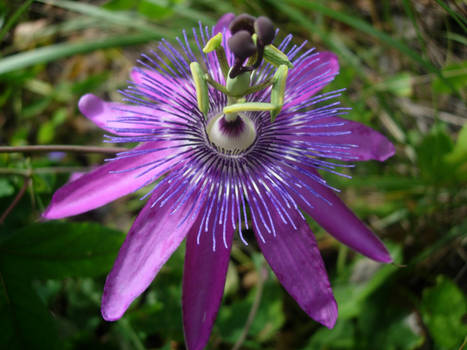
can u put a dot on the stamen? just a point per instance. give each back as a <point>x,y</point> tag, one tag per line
<point>242,22</point>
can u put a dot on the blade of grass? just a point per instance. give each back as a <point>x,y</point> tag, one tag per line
<point>120,19</point>
<point>410,13</point>
<point>185,11</point>
<point>370,30</point>
<point>457,37</point>
<point>54,52</point>
<point>335,46</point>
<point>457,17</point>
<point>14,18</point>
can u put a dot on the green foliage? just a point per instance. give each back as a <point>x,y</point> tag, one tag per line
<point>455,78</point>
<point>444,308</point>
<point>432,152</point>
<point>403,65</point>
<point>46,251</point>
<point>59,250</point>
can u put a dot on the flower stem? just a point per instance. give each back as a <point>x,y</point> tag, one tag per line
<point>47,170</point>
<point>222,59</point>
<point>254,307</point>
<point>22,191</point>
<point>262,86</point>
<point>60,148</point>
<point>216,85</point>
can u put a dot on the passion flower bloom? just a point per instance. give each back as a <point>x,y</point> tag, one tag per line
<point>217,163</point>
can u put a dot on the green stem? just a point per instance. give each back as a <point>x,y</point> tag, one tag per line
<point>222,59</point>
<point>216,85</point>
<point>256,88</point>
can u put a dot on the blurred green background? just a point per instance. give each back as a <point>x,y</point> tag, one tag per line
<point>404,64</point>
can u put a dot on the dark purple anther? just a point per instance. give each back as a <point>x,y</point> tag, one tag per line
<point>242,45</point>
<point>265,30</point>
<point>243,22</point>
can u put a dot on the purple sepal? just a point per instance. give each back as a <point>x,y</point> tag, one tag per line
<point>203,284</point>
<point>338,220</point>
<point>152,239</point>
<point>295,259</point>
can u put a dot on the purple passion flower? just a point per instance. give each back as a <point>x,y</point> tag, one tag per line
<point>223,156</point>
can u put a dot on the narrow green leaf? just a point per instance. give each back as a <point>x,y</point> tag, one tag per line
<point>58,250</point>
<point>367,28</point>
<point>14,18</point>
<point>331,42</point>
<point>457,16</point>
<point>120,19</point>
<point>54,52</point>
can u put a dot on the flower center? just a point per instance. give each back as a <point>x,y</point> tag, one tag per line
<point>229,134</point>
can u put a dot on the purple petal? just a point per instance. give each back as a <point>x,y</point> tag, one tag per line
<point>105,115</point>
<point>361,142</point>
<point>154,236</point>
<point>223,22</point>
<point>309,77</point>
<point>203,284</point>
<point>337,219</point>
<point>295,259</point>
<point>100,186</point>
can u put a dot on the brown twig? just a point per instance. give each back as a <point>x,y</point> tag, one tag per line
<point>22,191</point>
<point>60,148</point>
<point>47,170</point>
<point>254,307</point>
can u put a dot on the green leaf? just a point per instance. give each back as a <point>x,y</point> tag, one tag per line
<point>443,309</point>
<point>341,337</point>
<point>399,84</point>
<point>459,153</point>
<point>54,52</point>
<point>120,19</point>
<point>386,324</point>
<point>25,322</point>
<point>455,78</point>
<point>431,155</point>
<point>6,188</point>
<point>367,277</point>
<point>59,250</point>
<point>13,18</point>
<point>367,28</point>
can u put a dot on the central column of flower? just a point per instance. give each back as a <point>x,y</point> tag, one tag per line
<point>251,43</point>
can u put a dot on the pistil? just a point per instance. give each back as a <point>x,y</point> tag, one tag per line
<point>231,135</point>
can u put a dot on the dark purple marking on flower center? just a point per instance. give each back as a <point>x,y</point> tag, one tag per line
<point>232,128</point>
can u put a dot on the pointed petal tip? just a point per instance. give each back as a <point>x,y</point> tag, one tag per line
<point>389,151</point>
<point>327,316</point>
<point>385,258</point>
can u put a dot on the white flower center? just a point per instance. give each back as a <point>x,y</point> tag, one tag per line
<point>231,135</point>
